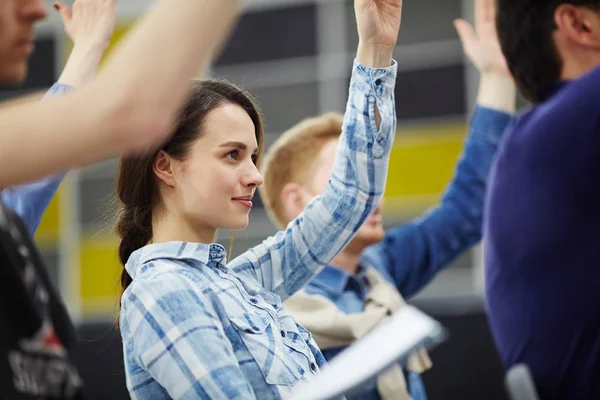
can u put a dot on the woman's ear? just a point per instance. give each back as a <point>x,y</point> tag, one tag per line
<point>163,168</point>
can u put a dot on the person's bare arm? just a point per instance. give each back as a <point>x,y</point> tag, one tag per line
<point>497,89</point>
<point>132,103</point>
<point>89,25</point>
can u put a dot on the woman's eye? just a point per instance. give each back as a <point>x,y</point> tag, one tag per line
<point>234,155</point>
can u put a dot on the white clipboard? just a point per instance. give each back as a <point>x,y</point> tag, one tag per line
<point>392,341</point>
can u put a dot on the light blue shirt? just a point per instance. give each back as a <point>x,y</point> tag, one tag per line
<point>194,327</point>
<point>30,200</point>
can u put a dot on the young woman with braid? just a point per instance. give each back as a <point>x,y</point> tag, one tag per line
<point>195,326</point>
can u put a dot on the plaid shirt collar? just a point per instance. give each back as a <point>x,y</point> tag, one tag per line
<point>199,254</point>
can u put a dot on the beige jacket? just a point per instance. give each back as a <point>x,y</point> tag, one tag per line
<point>331,328</point>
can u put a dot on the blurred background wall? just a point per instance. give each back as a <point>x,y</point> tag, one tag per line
<point>295,56</point>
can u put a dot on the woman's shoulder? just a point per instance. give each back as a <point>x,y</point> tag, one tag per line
<point>162,277</point>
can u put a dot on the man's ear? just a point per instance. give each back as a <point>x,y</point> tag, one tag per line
<point>293,199</point>
<point>579,24</point>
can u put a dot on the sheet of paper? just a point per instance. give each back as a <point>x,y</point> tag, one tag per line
<point>392,341</point>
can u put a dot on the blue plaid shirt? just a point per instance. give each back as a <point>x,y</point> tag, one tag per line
<point>194,327</point>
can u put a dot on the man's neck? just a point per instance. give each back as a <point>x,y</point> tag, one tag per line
<point>576,64</point>
<point>576,71</point>
<point>347,260</point>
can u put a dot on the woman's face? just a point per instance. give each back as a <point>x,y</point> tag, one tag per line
<point>215,183</point>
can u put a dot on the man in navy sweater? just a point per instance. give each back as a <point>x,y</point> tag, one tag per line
<point>542,219</point>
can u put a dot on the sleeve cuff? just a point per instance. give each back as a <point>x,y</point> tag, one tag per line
<point>489,122</point>
<point>58,89</point>
<point>381,81</point>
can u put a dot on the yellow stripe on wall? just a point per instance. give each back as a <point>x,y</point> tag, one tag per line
<point>99,274</point>
<point>421,165</point>
<point>48,232</point>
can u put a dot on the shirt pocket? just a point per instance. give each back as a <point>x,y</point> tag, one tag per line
<point>266,348</point>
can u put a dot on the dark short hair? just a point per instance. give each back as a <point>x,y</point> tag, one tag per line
<point>525,32</point>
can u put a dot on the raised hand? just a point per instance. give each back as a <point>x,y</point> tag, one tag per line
<point>481,44</point>
<point>378,26</point>
<point>90,25</point>
<point>497,89</point>
<point>90,22</point>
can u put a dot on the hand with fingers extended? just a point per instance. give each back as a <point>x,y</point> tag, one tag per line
<point>89,24</point>
<point>497,89</point>
<point>378,24</point>
<point>481,44</point>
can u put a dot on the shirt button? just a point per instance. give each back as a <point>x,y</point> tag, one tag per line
<point>283,334</point>
<point>313,367</point>
<point>253,300</point>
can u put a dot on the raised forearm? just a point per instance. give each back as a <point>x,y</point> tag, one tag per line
<point>497,91</point>
<point>374,56</point>
<point>82,65</point>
